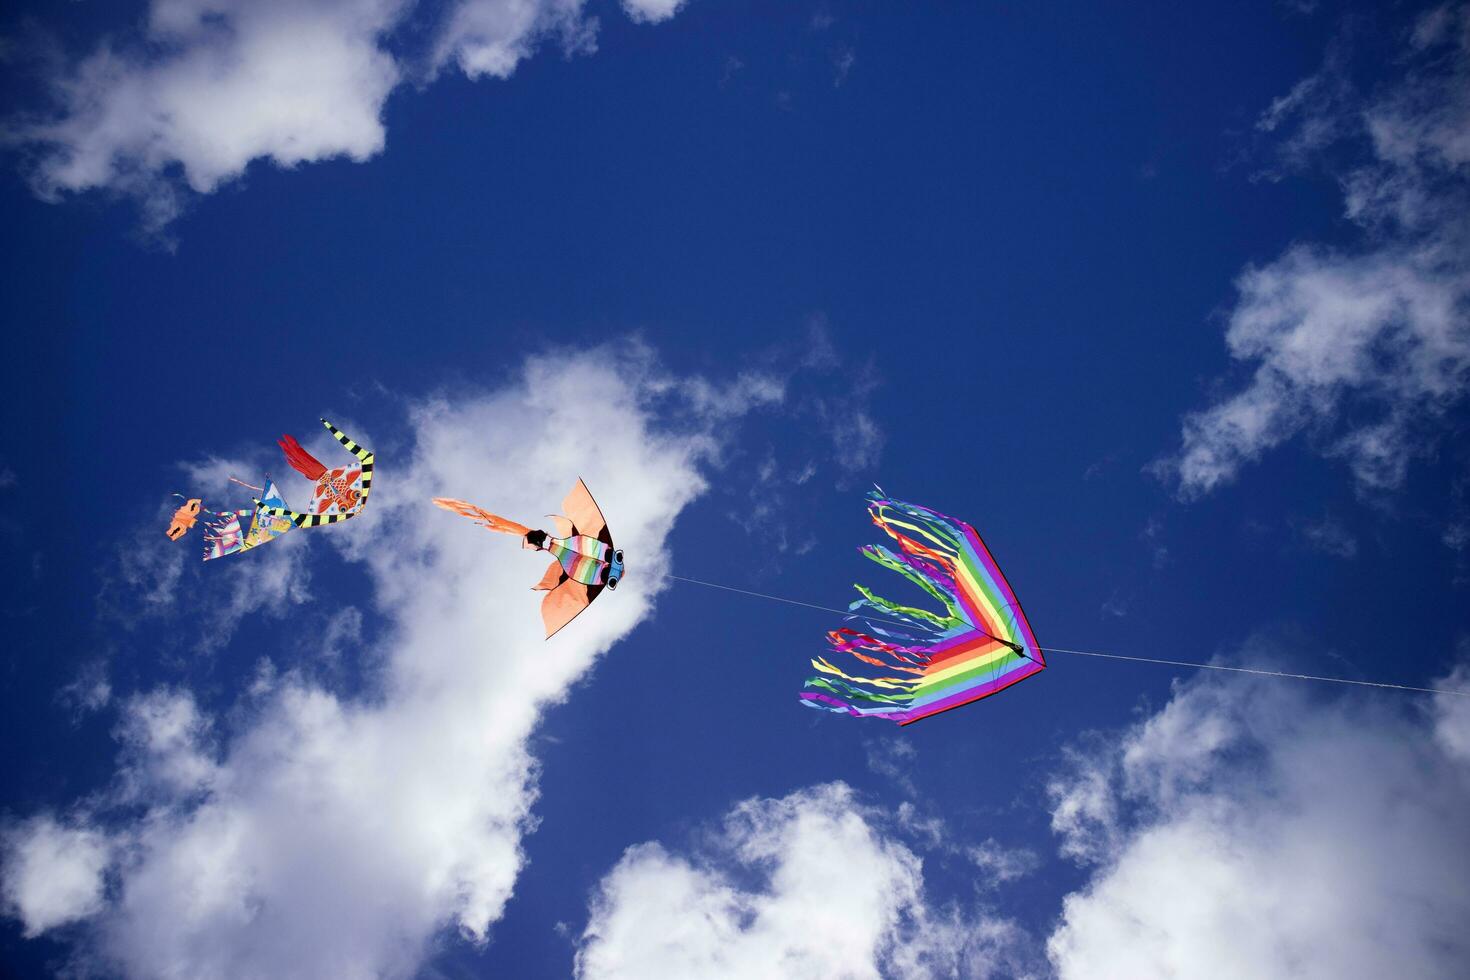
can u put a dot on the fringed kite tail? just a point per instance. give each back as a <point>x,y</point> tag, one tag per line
<point>301,461</point>
<point>482,517</point>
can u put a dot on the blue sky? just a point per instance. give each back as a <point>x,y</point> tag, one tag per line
<point>1170,302</point>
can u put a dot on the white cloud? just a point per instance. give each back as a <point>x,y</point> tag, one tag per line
<point>1451,716</point>
<point>51,874</point>
<point>231,82</point>
<point>749,391</point>
<point>492,37</point>
<point>167,752</point>
<point>651,11</point>
<point>90,690</point>
<point>319,835</point>
<point>1084,811</point>
<point>343,633</point>
<point>1329,330</point>
<point>1248,829</point>
<point>208,86</point>
<point>837,896</point>
<point>1363,349</point>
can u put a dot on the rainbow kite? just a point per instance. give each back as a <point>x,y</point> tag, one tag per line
<point>980,645</point>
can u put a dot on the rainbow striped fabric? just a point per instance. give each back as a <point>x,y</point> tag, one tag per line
<point>981,644</point>
<point>582,557</point>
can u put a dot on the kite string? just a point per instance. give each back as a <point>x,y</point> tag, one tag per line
<point>793,602</point>
<point>1095,653</point>
<point>1255,670</point>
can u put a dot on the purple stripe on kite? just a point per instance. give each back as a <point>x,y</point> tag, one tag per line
<point>925,567</point>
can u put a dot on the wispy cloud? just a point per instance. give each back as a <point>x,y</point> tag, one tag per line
<point>90,690</point>
<point>167,747</point>
<point>826,399</point>
<point>893,759</point>
<point>731,67</point>
<point>1365,349</point>
<point>1152,536</point>
<point>1001,864</point>
<point>1329,536</point>
<point>1115,606</point>
<point>651,11</point>
<point>843,59</point>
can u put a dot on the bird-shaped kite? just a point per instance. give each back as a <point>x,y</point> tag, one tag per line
<point>584,561</point>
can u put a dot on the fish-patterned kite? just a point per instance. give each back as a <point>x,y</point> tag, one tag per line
<point>340,494</point>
